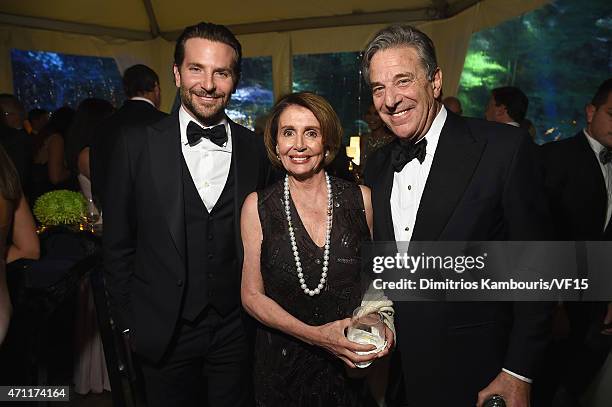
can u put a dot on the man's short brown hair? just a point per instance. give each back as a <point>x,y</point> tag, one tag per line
<point>331,128</point>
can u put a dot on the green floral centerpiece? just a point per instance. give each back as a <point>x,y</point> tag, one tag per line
<point>61,207</point>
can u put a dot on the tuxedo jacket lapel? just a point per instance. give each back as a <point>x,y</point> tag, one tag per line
<point>456,158</point>
<point>166,155</point>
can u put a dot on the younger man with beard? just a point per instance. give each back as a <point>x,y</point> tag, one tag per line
<point>172,248</point>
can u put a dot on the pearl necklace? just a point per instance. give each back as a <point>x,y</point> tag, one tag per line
<point>296,255</point>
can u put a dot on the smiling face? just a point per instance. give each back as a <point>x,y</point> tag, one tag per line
<point>206,79</point>
<point>299,142</point>
<point>405,100</point>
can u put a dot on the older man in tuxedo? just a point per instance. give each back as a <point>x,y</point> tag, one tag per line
<point>173,253</point>
<point>448,178</point>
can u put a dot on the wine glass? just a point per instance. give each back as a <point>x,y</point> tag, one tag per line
<point>367,329</point>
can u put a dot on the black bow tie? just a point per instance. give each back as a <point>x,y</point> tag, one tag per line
<point>215,134</point>
<point>404,152</point>
<point>605,155</point>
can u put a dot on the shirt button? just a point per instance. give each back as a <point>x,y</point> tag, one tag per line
<point>210,237</point>
<point>318,261</point>
<point>284,352</point>
<point>409,187</point>
<point>179,283</point>
<point>407,228</point>
<point>210,257</point>
<point>206,185</point>
<point>210,275</point>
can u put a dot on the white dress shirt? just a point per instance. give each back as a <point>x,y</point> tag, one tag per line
<point>408,186</point>
<point>409,183</point>
<point>208,163</point>
<point>606,170</point>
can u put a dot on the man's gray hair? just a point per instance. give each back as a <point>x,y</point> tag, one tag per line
<point>401,36</point>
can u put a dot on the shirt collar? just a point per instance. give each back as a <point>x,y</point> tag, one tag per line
<point>185,118</point>
<point>433,134</point>
<point>595,145</point>
<point>515,124</point>
<point>143,100</point>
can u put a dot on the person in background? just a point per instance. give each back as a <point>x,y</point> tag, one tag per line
<point>578,184</point>
<point>453,104</point>
<point>10,195</point>
<point>378,136</point>
<point>508,105</point>
<point>23,242</point>
<point>14,139</point>
<point>13,113</point>
<point>89,115</point>
<point>141,86</point>
<point>49,169</point>
<point>38,119</point>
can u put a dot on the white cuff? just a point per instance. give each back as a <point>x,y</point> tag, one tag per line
<point>518,376</point>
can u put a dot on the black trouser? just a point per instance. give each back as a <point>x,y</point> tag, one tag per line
<point>207,364</point>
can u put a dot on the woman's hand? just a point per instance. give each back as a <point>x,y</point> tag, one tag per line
<point>332,338</point>
<point>390,338</point>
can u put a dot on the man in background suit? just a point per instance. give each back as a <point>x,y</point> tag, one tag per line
<point>141,86</point>
<point>578,181</point>
<point>508,105</point>
<point>448,178</point>
<point>173,253</point>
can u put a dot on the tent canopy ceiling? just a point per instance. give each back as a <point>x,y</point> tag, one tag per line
<point>146,19</point>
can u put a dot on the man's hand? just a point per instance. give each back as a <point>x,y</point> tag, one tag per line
<point>514,391</point>
<point>608,320</point>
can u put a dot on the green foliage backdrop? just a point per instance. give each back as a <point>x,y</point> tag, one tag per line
<point>558,55</point>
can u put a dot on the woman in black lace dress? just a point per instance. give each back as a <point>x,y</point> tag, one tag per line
<point>301,275</point>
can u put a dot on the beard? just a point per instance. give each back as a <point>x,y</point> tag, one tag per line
<point>209,114</point>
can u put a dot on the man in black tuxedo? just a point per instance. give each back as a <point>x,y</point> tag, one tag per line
<point>173,253</point>
<point>578,181</point>
<point>448,178</point>
<point>141,86</point>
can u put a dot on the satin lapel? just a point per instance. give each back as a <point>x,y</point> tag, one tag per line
<point>381,195</point>
<point>166,155</point>
<point>456,158</point>
<point>245,160</point>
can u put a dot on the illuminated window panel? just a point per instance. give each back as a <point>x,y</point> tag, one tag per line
<point>254,96</point>
<point>50,80</point>
<point>558,55</point>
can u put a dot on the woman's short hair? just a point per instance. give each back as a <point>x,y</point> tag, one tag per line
<point>331,128</point>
